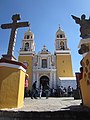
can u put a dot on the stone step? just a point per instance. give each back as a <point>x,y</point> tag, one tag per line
<point>55,115</point>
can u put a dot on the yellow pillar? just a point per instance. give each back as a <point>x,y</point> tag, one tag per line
<point>85,81</point>
<point>12,80</point>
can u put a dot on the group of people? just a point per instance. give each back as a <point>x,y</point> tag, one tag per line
<point>46,91</point>
<point>62,91</point>
<point>35,93</point>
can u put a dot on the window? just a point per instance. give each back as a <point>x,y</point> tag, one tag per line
<point>27,46</point>
<point>27,36</point>
<point>62,45</point>
<point>44,63</point>
<point>57,36</point>
<point>60,36</point>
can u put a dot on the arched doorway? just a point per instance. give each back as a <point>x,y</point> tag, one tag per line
<point>44,80</point>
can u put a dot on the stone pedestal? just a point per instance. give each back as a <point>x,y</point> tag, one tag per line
<point>85,81</point>
<point>84,41</point>
<point>12,80</point>
<point>84,45</point>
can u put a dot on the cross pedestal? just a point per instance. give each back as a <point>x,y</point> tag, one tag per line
<point>12,81</point>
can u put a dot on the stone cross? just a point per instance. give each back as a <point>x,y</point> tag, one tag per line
<point>14,25</point>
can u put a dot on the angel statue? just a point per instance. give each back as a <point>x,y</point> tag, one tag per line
<point>84,25</point>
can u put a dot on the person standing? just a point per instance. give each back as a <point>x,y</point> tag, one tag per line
<point>26,85</point>
<point>33,95</point>
<point>69,91</point>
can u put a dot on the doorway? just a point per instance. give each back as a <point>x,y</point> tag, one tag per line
<point>44,80</point>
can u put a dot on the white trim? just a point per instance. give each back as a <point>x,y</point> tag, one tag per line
<point>33,77</point>
<point>51,80</point>
<point>63,51</point>
<point>62,54</point>
<point>44,74</point>
<point>12,66</point>
<point>26,52</point>
<point>44,55</point>
<point>67,78</point>
<point>43,70</point>
<point>37,80</point>
<point>54,80</point>
<point>25,55</point>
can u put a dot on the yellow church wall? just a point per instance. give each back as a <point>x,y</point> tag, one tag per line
<point>21,89</point>
<point>85,81</point>
<point>29,71</point>
<point>64,65</point>
<point>11,87</point>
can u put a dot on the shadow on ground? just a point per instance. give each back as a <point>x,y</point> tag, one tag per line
<point>76,108</point>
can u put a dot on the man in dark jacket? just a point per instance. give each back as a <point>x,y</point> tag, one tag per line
<point>34,90</point>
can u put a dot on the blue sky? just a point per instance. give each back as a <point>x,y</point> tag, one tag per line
<point>44,17</point>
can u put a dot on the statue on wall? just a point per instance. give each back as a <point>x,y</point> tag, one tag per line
<point>84,25</point>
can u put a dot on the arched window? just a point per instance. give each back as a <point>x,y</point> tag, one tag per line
<point>28,36</point>
<point>25,37</point>
<point>27,46</point>
<point>62,45</point>
<point>60,36</point>
<point>31,37</point>
<point>57,36</point>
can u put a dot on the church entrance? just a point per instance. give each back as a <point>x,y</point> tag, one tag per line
<point>44,80</point>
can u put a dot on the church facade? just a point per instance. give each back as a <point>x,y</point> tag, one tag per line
<point>45,67</point>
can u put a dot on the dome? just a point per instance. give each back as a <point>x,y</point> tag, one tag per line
<point>28,32</point>
<point>60,33</point>
<point>29,35</point>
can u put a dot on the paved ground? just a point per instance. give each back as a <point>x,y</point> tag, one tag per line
<point>50,104</point>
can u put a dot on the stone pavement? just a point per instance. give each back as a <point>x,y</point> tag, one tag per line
<point>50,104</point>
<point>61,108</point>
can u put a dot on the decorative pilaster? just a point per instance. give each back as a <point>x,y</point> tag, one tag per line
<point>54,80</point>
<point>51,80</point>
<point>33,77</point>
<point>37,80</point>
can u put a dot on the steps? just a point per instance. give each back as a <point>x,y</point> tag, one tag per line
<point>56,115</point>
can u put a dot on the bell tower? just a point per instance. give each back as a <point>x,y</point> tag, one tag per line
<point>60,41</point>
<point>63,56</point>
<point>28,44</point>
<point>27,52</point>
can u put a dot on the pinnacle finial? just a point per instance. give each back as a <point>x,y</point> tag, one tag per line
<point>29,28</point>
<point>59,26</point>
<point>44,46</point>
